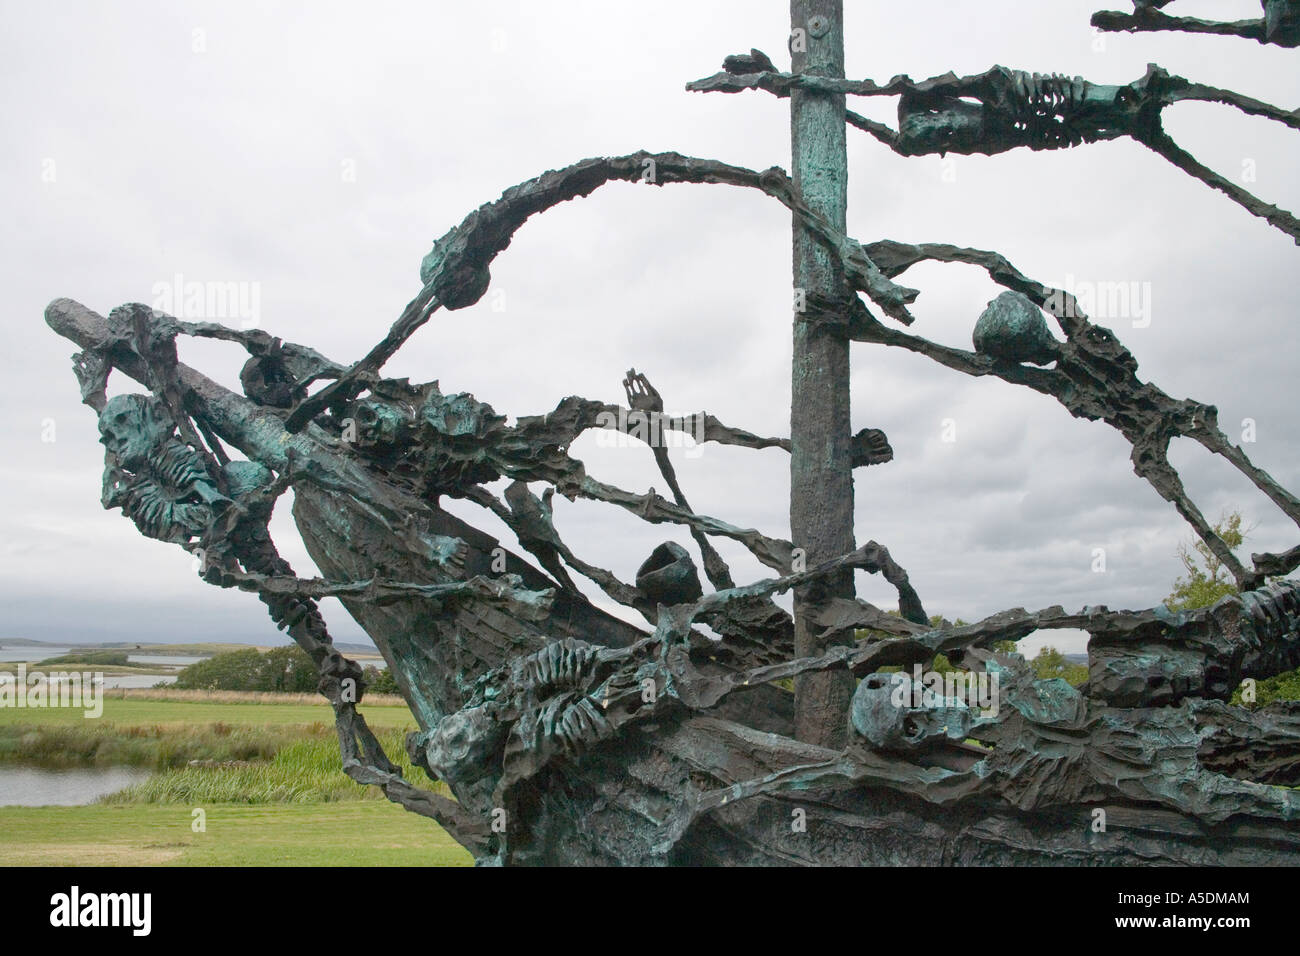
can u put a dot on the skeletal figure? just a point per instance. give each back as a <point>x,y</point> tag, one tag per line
<point>1052,746</point>
<point>1049,746</point>
<point>604,738</point>
<point>1280,24</point>
<point>157,480</point>
<point>1013,108</point>
<point>646,401</point>
<point>1003,109</point>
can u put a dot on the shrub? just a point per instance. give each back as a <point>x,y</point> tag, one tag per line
<point>285,669</point>
<point>379,681</point>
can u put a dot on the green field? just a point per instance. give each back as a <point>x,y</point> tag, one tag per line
<point>161,670</point>
<point>132,711</point>
<point>362,833</point>
<point>276,793</point>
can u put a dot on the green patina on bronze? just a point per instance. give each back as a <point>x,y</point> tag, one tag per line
<point>568,735</point>
<point>1013,329</point>
<point>821,469</point>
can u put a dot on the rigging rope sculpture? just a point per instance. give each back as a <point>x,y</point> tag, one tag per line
<point>567,735</point>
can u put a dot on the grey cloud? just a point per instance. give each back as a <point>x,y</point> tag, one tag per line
<point>229,165</point>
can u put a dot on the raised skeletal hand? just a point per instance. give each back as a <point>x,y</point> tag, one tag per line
<point>641,395</point>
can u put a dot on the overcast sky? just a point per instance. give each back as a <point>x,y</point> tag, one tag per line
<point>314,150</point>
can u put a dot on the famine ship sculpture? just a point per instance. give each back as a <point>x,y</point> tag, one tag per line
<point>567,735</point>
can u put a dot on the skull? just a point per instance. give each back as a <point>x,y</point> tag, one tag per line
<point>463,748</point>
<point>946,125</point>
<point>893,712</point>
<point>267,381</point>
<point>131,427</point>
<point>458,416</point>
<point>379,423</point>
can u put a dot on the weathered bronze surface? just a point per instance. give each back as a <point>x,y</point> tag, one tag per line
<point>567,735</point>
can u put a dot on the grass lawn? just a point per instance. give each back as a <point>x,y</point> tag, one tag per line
<point>285,801</point>
<point>358,833</point>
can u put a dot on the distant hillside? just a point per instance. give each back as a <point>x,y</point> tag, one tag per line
<point>179,650</point>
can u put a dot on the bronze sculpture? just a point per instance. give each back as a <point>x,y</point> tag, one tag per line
<point>567,735</point>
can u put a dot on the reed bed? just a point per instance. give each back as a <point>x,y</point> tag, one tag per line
<point>306,771</point>
<point>238,696</point>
